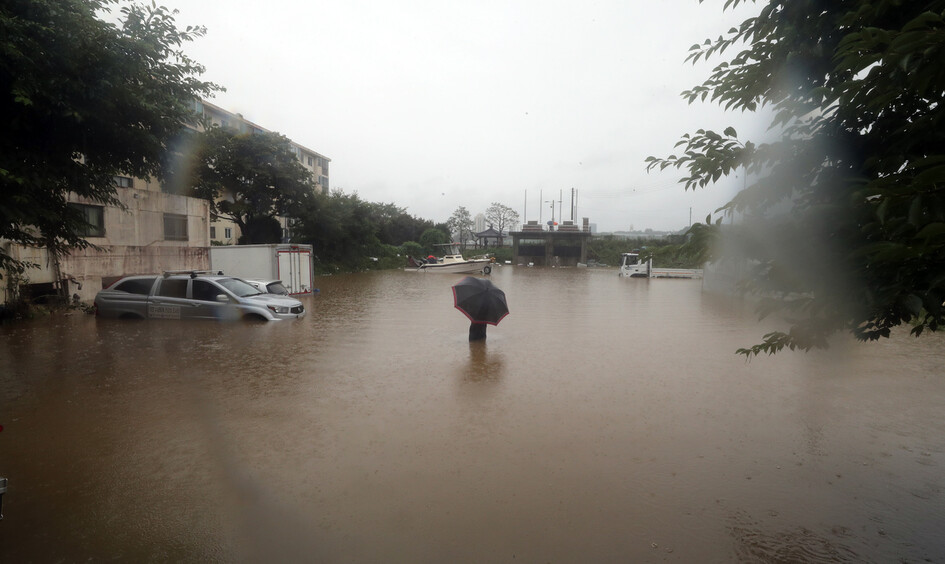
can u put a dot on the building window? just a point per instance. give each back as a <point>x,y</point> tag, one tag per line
<point>310,161</point>
<point>123,182</point>
<point>323,181</point>
<point>175,227</point>
<point>94,216</point>
<point>227,232</point>
<point>213,232</point>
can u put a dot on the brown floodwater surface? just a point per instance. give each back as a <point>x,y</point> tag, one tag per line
<point>604,419</point>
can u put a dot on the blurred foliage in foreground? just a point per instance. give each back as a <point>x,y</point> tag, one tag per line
<point>843,228</point>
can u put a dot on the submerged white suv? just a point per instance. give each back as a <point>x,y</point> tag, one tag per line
<point>268,286</point>
<point>192,295</point>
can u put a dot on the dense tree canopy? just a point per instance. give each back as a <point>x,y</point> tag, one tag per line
<point>250,178</point>
<point>432,237</point>
<point>395,225</point>
<point>844,223</point>
<point>83,101</point>
<point>340,228</point>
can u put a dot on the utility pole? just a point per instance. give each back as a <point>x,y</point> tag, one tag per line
<point>560,198</point>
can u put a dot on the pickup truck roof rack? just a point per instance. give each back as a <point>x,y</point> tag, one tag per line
<point>193,273</point>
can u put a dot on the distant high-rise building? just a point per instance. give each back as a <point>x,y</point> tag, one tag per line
<point>480,223</point>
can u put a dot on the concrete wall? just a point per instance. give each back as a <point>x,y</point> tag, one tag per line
<point>87,271</point>
<point>95,269</point>
<point>141,223</point>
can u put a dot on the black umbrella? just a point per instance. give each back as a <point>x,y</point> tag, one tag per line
<point>480,300</point>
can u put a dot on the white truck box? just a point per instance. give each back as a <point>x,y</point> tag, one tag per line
<point>287,262</point>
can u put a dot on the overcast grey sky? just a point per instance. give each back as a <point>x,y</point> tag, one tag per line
<point>432,105</point>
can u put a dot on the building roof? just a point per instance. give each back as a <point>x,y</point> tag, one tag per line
<point>489,233</point>
<point>249,123</point>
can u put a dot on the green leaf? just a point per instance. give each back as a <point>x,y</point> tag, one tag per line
<point>915,211</point>
<point>931,231</point>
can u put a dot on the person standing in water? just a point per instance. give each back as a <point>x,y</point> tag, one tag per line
<point>477,331</point>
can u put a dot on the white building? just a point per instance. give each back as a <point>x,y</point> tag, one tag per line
<point>156,231</point>
<point>479,223</point>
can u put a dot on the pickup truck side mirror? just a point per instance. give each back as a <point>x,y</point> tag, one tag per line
<point>222,298</point>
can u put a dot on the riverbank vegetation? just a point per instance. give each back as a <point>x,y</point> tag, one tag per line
<point>672,251</point>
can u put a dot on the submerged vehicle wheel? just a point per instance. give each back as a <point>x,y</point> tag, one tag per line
<point>487,269</point>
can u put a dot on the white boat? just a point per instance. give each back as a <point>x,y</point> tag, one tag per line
<point>631,265</point>
<point>451,262</point>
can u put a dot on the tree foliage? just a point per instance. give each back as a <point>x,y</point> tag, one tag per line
<point>395,225</point>
<point>412,249</point>
<point>248,177</point>
<point>432,237</point>
<point>84,101</point>
<point>501,216</point>
<point>340,229</point>
<point>461,224</point>
<point>845,222</point>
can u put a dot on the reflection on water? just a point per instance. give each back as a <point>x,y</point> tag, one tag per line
<point>482,366</point>
<point>605,419</point>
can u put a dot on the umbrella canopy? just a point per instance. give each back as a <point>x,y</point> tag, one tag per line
<point>480,300</point>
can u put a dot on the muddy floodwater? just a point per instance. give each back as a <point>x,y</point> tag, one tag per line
<point>604,420</point>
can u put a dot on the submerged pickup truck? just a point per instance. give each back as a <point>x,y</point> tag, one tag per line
<point>192,295</point>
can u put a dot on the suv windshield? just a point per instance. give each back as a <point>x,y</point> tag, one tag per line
<point>238,287</point>
<point>277,288</point>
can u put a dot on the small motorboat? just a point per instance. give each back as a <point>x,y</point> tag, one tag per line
<point>451,262</point>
